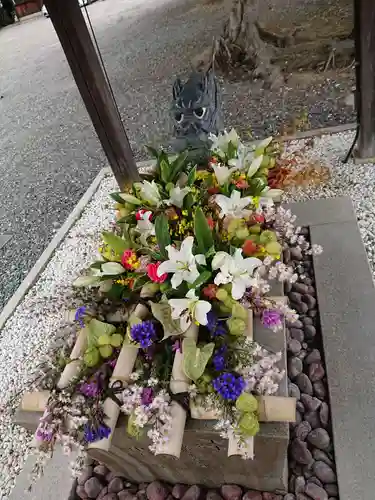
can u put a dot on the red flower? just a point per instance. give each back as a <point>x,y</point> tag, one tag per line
<point>213,190</point>
<point>140,215</point>
<point>129,260</point>
<point>242,184</point>
<point>249,248</point>
<point>213,160</point>
<point>152,272</point>
<point>209,291</point>
<point>257,219</point>
<point>210,222</point>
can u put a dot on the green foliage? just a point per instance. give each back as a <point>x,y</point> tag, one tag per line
<point>203,232</point>
<point>247,403</point>
<point>195,359</point>
<point>116,243</point>
<point>249,424</point>
<point>162,312</point>
<point>162,234</point>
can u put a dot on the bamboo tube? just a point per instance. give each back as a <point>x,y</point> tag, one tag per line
<point>71,370</point>
<point>179,383</point>
<point>123,369</point>
<point>246,448</point>
<point>35,401</point>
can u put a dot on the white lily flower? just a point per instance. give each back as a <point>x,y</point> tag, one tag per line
<point>182,263</point>
<point>177,195</point>
<point>149,192</point>
<point>235,270</point>
<point>145,227</point>
<point>235,205</point>
<point>190,309</point>
<point>221,142</point>
<point>223,173</point>
<point>254,166</point>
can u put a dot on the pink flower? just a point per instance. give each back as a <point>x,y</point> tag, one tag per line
<point>129,260</point>
<point>152,272</point>
<point>143,215</point>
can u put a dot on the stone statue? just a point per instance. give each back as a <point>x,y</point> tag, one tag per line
<point>196,112</point>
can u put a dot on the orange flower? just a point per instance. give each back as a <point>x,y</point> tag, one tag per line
<point>129,260</point>
<point>249,248</point>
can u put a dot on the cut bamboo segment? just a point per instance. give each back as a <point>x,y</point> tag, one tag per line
<point>72,369</point>
<point>122,371</point>
<point>179,383</point>
<point>270,409</point>
<point>250,324</point>
<point>237,449</point>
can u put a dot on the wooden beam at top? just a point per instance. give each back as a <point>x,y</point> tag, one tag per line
<point>365,50</point>
<point>71,28</point>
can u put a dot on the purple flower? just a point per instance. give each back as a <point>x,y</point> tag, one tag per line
<point>95,433</point>
<point>219,358</point>
<point>143,333</point>
<point>215,326</point>
<point>229,386</point>
<point>44,434</point>
<point>79,315</point>
<point>271,318</point>
<point>90,389</point>
<point>147,396</point>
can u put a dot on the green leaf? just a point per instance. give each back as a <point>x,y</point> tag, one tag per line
<point>91,357</point>
<point>115,242</point>
<point>132,429</point>
<point>249,424</point>
<point>153,152</point>
<point>165,171</point>
<point>83,281</point>
<point>192,176</point>
<point>97,264</point>
<point>274,248</point>
<point>162,312</point>
<point>232,150</point>
<point>129,198</point>
<point>203,278</point>
<point>112,268</point>
<point>195,359</point>
<point>189,201</point>
<point>257,185</point>
<point>202,231</point>
<point>117,198</point>
<point>96,329</point>
<point>177,166</point>
<point>162,234</point>
<point>247,403</point>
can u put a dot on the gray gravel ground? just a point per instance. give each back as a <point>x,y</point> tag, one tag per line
<point>49,152</point>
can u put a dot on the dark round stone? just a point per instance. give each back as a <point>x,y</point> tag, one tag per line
<point>315,480</point>
<point>297,334</point>
<point>312,418</point>
<point>286,256</point>
<point>313,313</point>
<point>193,493</point>
<point>156,491</point>
<point>299,485</point>
<point>300,288</point>
<point>296,324</point>
<point>289,496</point>
<point>214,495</point>
<point>252,495</point>
<point>302,430</point>
<point>294,346</point>
<point>309,331</point>
<point>93,487</point>
<point>179,490</point>
<point>81,493</point>
<point>304,384</point>
<point>101,471</point>
<point>321,456</point>
<point>294,391</point>
<point>231,492</point>
<point>300,407</point>
<point>87,472</point>
<point>315,492</point>
<point>316,371</point>
<point>309,300</point>
<point>295,367</point>
<point>295,297</point>
<point>296,253</point>
<point>310,403</point>
<point>324,472</point>
<point>104,492</point>
<point>319,438</point>
<point>324,414</point>
<point>320,390</point>
<point>313,357</point>
<point>116,485</point>
<point>300,452</point>
<point>300,307</point>
<point>306,320</point>
<point>332,489</point>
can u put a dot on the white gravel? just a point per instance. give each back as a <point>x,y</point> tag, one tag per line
<point>356,181</point>
<point>37,320</point>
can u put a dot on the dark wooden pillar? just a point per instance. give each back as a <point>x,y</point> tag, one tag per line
<point>365,49</point>
<point>84,63</point>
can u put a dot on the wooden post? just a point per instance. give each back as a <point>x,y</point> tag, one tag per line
<point>365,55</point>
<point>88,73</point>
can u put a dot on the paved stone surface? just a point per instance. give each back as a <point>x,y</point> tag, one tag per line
<point>325,211</point>
<point>4,238</point>
<point>346,297</point>
<point>56,483</point>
